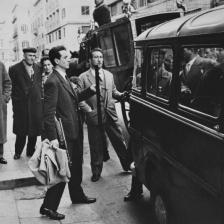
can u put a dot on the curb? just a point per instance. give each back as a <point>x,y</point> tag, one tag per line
<point>21,182</point>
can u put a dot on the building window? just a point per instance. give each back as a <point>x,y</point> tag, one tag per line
<point>64,31</point>
<point>113,9</point>
<point>85,29</point>
<point>63,13</point>
<point>59,34</point>
<point>24,28</point>
<point>1,43</point>
<point>85,10</point>
<point>25,44</point>
<point>141,3</point>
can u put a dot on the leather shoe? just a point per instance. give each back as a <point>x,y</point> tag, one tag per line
<point>95,178</point>
<point>16,156</point>
<point>132,196</point>
<point>3,161</point>
<point>51,214</point>
<point>84,200</point>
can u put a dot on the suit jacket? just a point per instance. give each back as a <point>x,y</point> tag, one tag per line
<point>61,100</point>
<point>26,100</point>
<point>108,93</point>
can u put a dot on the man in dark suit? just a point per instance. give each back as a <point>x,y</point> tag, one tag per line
<point>26,101</point>
<point>101,13</point>
<point>61,100</point>
<point>111,124</point>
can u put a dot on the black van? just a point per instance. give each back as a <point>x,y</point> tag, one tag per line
<point>177,117</point>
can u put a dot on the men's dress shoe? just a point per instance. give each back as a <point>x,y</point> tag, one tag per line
<point>133,196</point>
<point>3,161</point>
<point>51,214</point>
<point>95,178</point>
<point>16,156</point>
<point>84,200</point>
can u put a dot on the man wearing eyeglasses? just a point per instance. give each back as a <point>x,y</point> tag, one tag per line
<point>26,79</point>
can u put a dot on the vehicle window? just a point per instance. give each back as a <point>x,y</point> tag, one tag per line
<point>160,72</point>
<point>202,76</point>
<point>138,63</point>
<point>106,44</point>
<point>122,44</point>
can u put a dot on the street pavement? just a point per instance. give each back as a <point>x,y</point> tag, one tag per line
<point>21,196</point>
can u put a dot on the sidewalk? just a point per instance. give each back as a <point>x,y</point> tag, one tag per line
<point>21,198</point>
<point>16,173</point>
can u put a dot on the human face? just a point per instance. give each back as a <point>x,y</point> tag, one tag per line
<point>97,2</point>
<point>64,60</point>
<point>29,58</point>
<point>97,59</point>
<point>48,67</point>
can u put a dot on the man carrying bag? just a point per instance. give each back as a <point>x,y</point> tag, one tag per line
<point>61,100</point>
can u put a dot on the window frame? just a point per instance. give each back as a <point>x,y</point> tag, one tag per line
<point>191,110</point>
<point>148,62</point>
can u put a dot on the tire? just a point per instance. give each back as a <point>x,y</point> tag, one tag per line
<point>160,209</point>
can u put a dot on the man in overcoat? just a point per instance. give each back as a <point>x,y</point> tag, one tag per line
<point>5,92</point>
<point>61,100</point>
<point>111,123</point>
<point>26,79</point>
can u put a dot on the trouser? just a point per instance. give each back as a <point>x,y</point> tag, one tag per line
<point>1,150</point>
<point>54,194</point>
<point>76,153</point>
<point>136,186</point>
<point>21,141</point>
<point>97,144</point>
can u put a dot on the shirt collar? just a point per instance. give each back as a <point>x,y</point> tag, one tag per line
<point>63,74</point>
<point>190,63</point>
<point>100,72</point>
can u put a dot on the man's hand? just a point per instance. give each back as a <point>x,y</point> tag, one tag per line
<point>93,87</point>
<point>54,143</point>
<point>124,96</point>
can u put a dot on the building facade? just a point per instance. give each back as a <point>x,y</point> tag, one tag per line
<point>6,55</point>
<point>38,28</point>
<point>160,6</point>
<point>67,21</point>
<point>22,36</point>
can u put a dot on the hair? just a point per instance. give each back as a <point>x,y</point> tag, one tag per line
<point>94,50</point>
<point>43,59</point>
<point>43,52</point>
<point>55,53</point>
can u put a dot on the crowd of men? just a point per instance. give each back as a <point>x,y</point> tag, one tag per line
<point>42,91</point>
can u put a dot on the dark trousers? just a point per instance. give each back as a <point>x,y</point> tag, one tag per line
<point>54,194</point>
<point>97,144</point>
<point>136,186</point>
<point>76,154</point>
<point>21,141</point>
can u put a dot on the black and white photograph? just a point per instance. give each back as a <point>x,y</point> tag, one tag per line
<point>112,111</point>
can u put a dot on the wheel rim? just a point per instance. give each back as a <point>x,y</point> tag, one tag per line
<point>160,210</point>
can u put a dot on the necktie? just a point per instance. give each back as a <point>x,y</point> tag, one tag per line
<point>188,67</point>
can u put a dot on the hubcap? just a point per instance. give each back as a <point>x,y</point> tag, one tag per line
<point>160,210</point>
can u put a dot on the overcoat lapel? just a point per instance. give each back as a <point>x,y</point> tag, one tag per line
<point>91,78</point>
<point>65,84</point>
<point>24,71</point>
